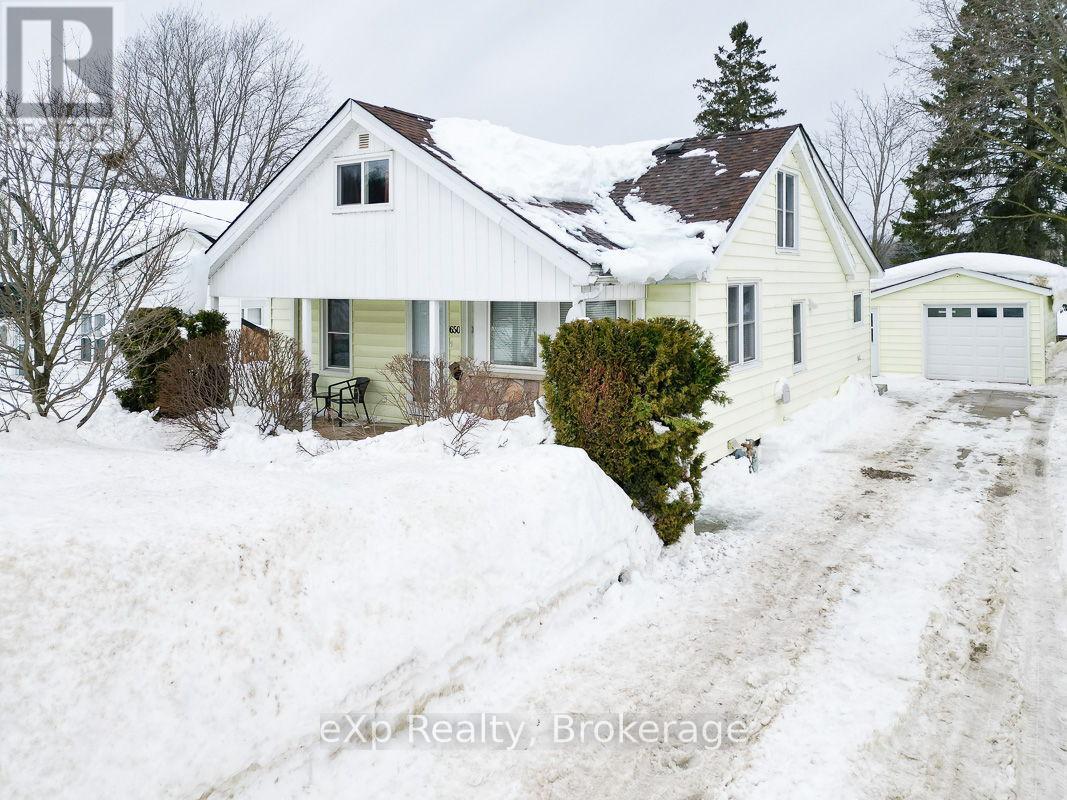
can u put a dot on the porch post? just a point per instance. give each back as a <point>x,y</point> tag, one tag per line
<point>305,345</point>
<point>435,330</point>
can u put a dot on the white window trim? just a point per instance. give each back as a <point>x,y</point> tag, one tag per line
<point>802,364</point>
<point>362,207</point>
<point>324,339</point>
<point>514,369</point>
<point>742,365</point>
<point>781,248</point>
<point>852,309</point>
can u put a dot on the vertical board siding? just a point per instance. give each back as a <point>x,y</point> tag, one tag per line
<point>835,347</point>
<point>901,323</point>
<point>430,244</point>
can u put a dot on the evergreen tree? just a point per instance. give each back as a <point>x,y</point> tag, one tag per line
<point>740,98</point>
<point>993,179</point>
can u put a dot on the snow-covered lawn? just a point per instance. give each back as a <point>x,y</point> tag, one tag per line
<point>173,619</point>
<point>882,608</point>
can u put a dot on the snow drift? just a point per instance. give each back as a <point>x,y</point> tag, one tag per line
<point>174,619</point>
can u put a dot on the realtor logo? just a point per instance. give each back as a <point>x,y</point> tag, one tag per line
<point>63,49</point>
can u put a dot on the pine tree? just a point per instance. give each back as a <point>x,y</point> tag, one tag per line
<point>993,178</point>
<point>739,99</point>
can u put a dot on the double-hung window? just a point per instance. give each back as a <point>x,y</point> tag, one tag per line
<point>787,211</point>
<point>338,334</point>
<point>798,334</point>
<point>363,183</point>
<point>91,327</point>
<point>741,323</point>
<point>513,334</point>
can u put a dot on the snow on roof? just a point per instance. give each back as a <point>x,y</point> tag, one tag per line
<point>210,217</point>
<point>565,190</point>
<point>1030,270</point>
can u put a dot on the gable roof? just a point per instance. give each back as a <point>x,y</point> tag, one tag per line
<point>646,211</point>
<point>919,280</point>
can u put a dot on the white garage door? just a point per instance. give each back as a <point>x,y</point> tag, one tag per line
<point>977,343</point>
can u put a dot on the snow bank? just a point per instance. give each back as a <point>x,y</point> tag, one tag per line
<point>531,176</point>
<point>172,619</point>
<point>1031,270</point>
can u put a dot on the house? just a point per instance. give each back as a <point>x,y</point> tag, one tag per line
<point>967,316</point>
<point>391,232</point>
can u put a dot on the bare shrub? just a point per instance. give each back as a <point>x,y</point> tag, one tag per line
<point>274,379</point>
<point>464,393</point>
<point>196,389</point>
<point>202,384</point>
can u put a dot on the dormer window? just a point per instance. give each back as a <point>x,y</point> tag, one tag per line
<point>363,183</point>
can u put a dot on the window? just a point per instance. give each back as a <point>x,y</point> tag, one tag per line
<point>798,334</point>
<point>1013,313</point>
<point>936,312</point>
<point>741,323</point>
<point>564,308</point>
<point>787,210</point>
<point>987,313</point>
<point>857,308</point>
<point>420,328</point>
<point>92,342</point>
<point>961,312</point>
<point>363,183</point>
<point>338,334</point>
<point>253,314</point>
<point>513,334</point>
<point>601,309</point>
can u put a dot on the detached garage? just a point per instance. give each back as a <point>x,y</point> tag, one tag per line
<point>967,316</point>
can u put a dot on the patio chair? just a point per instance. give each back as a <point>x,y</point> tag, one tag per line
<point>316,395</point>
<point>352,392</point>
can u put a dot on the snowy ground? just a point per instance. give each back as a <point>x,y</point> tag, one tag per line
<point>882,607</point>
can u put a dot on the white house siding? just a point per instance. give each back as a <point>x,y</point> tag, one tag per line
<point>901,324</point>
<point>429,244</point>
<point>835,346</point>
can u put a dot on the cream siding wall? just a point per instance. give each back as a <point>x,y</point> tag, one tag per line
<point>668,300</point>
<point>901,324</point>
<point>283,316</point>
<point>835,347</point>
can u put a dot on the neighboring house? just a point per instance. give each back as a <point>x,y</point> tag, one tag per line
<point>394,233</point>
<point>967,316</point>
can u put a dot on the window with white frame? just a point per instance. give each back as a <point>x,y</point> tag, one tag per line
<point>253,314</point>
<point>91,327</point>
<point>741,313</point>
<point>513,334</point>
<point>798,334</point>
<point>363,183</point>
<point>857,307</point>
<point>787,210</point>
<point>338,342</point>
<point>594,309</point>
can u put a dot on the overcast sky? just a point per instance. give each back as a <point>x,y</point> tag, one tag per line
<point>586,71</point>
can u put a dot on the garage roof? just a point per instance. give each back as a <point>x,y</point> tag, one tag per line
<point>983,276</point>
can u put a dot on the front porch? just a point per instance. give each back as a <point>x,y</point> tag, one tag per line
<point>349,337</point>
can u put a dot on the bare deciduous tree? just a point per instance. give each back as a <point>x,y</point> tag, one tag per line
<point>79,254</point>
<point>218,111</point>
<point>870,148</point>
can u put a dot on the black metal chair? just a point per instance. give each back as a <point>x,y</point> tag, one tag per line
<point>316,395</point>
<point>352,392</point>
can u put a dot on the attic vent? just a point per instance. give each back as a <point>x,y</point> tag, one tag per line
<point>675,147</point>
<point>364,141</point>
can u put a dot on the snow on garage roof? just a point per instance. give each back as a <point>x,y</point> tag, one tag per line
<point>1019,268</point>
<point>643,212</point>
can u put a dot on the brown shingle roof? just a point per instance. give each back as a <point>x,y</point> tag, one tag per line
<point>699,187</point>
<point>703,188</point>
